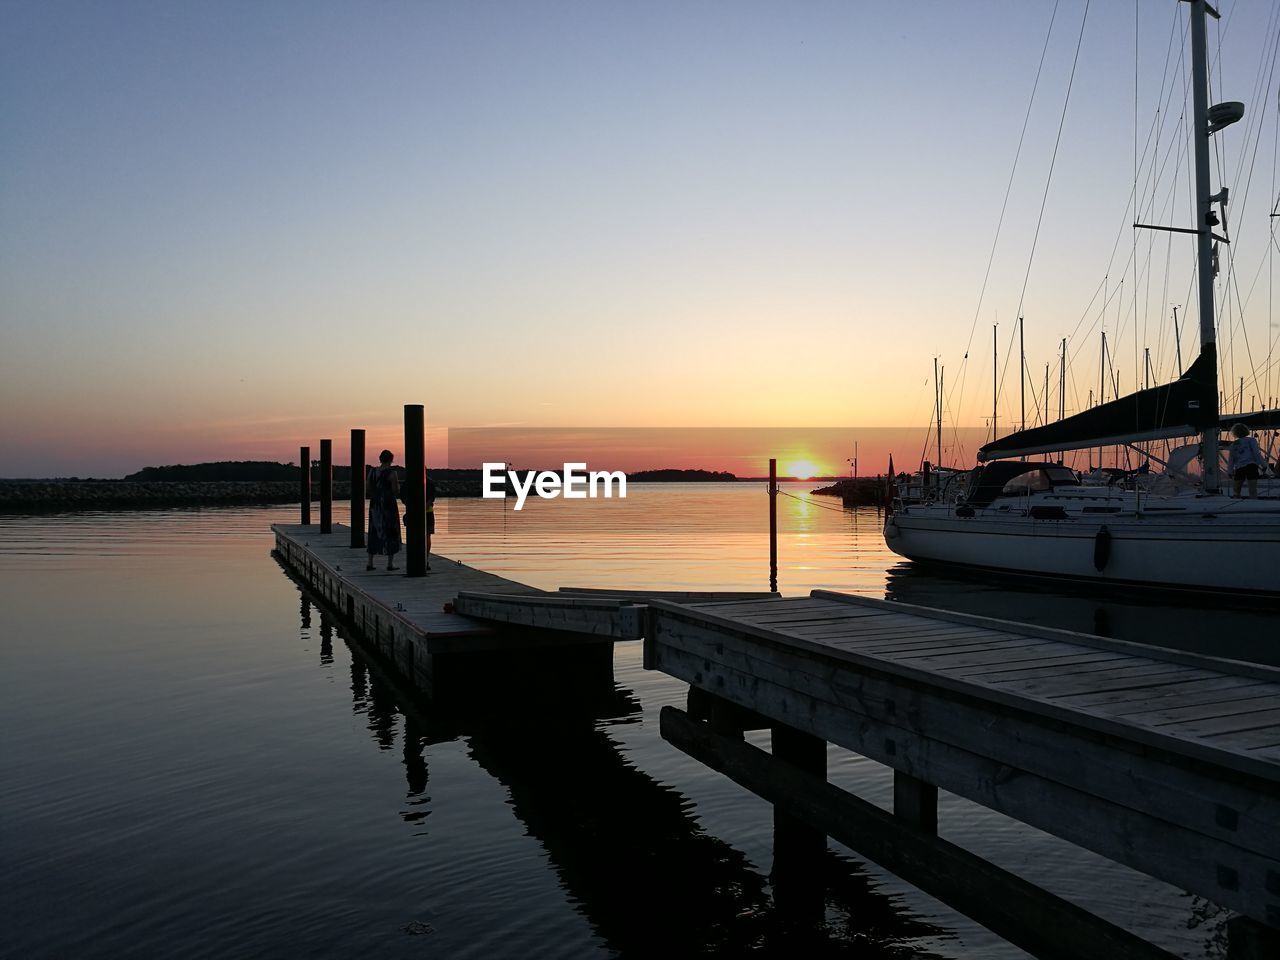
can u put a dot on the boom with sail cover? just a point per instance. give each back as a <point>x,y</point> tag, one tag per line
<point>1187,406</point>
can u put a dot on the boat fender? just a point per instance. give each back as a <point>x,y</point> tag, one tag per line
<point>964,510</point>
<point>1101,549</point>
<point>891,530</point>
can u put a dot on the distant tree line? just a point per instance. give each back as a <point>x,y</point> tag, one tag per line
<point>681,476</point>
<point>254,471</point>
<point>263,471</point>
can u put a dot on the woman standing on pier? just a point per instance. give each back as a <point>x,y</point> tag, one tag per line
<point>384,515</point>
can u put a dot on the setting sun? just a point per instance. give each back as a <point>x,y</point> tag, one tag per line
<point>803,469</point>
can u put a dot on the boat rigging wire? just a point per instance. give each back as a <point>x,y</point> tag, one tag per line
<point>1053,160</point>
<point>1004,205</point>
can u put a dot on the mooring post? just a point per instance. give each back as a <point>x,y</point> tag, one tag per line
<point>1247,939</point>
<point>326,486</point>
<point>773,525</point>
<point>414,491</point>
<point>915,802</point>
<point>798,847</point>
<point>357,489</point>
<point>304,489</point>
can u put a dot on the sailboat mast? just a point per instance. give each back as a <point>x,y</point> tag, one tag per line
<point>942,393</point>
<point>995,383</point>
<point>1022,372</point>
<point>1205,221</point>
<point>1062,381</point>
<point>1102,384</point>
<point>1177,339</point>
<point>937,402</point>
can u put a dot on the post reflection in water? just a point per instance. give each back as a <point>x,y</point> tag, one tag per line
<point>628,850</point>
<point>326,642</point>
<point>359,685</point>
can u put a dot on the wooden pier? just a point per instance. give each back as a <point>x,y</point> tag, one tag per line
<point>412,620</point>
<point>1161,760</point>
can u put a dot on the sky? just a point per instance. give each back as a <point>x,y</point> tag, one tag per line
<point>234,228</point>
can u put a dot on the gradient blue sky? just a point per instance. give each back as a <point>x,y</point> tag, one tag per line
<point>230,228</point>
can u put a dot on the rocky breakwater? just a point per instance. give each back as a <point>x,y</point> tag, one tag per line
<point>857,491</point>
<point>107,494</point>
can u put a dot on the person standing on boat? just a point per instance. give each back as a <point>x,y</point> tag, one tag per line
<point>384,515</point>
<point>1245,460</point>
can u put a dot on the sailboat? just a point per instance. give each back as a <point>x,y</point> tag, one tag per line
<point>1035,517</point>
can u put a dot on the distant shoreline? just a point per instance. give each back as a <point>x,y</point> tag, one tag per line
<point>46,495</point>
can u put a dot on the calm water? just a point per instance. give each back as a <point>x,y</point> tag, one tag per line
<point>196,762</point>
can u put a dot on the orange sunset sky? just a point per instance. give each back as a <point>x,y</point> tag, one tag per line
<point>233,229</point>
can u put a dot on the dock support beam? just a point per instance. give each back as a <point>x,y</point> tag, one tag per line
<point>357,489</point>
<point>1024,914</point>
<point>915,802</point>
<point>304,488</point>
<point>326,486</point>
<point>415,491</point>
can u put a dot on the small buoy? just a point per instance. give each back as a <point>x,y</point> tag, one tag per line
<point>1101,549</point>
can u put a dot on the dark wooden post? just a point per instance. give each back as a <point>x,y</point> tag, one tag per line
<point>357,489</point>
<point>304,489</point>
<point>798,847</point>
<point>916,802</point>
<point>326,486</point>
<point>1247,939</point>
<point>773,524</point>
<point>414,491</point>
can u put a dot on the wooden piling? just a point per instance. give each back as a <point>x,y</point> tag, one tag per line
<point>792,836</point>
<point>915,802</point>
<point>798,845</point>
<point>414,491</point>
<point>357,489</point>
<point>773,524</point>
<point>1021,912</point>
<point>304,489</point>
<point>326,486</point>
<point>1249,940</point>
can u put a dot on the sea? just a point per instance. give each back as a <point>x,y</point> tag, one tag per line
<point>197,759</point>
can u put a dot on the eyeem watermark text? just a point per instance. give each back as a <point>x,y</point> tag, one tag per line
<point>576,483</point>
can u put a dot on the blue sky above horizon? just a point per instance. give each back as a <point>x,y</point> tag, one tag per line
<point>232,228</point>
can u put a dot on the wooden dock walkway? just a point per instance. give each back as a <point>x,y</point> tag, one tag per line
<point>1162,760</point>
<point>411,620</point>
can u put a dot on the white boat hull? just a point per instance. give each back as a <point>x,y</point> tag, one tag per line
<point>1201,552</point>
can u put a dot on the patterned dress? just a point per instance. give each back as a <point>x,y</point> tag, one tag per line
<point>384,515</point>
